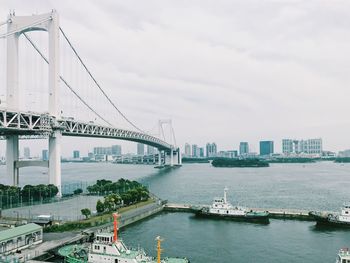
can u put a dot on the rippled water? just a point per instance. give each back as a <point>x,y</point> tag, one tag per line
<point>322,186</point>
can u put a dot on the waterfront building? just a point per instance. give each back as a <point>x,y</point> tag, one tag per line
<point>140,149</point>
<point>20,237</point>
<point>45,155</point>
<point>102,150</point>
<point>116,150</point>
<point>233,153</point>
<point>308,146</point>
<point>201,152</point>
<point>195,151</point>
<point>187,150</point>
<point>266,148</point>
<point>211,149</point>
<point>227,154</point>
<point>26,153</point>
<point>150,150</point>
<point>243,148</point>
<point>76,154</point>
<point>345,153</point>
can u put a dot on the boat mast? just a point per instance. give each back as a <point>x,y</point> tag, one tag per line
<point>159,249</point>
<point>225,197</point>
<point>115,236</point>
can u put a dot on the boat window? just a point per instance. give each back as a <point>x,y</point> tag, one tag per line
<point>344,261</point>
<point>116,260</point>
<point>227,211</point>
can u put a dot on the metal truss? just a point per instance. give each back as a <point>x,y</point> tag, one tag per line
<point>34,125</point>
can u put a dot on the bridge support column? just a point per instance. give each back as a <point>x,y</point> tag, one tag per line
<point>171,157</point>
<point>55,160</point>
<point>12,154</point>
<point>159,158</point>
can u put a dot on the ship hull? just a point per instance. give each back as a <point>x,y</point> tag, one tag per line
<point>328,220</point>
<point>257,218</point>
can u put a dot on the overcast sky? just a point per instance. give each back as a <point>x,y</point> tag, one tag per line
<point>223,71</point>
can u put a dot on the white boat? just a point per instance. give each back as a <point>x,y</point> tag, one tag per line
<point>107,248</point>
<point>221,208</point>
<point>343,256</point>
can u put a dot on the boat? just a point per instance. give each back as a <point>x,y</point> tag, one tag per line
<point>336,219</point>
<point>343,256</point>
<point>221,208</point>
<point>108,248</point>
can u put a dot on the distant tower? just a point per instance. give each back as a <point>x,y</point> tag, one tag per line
<point>187,150</point>
<point>243,148</point>
<point>26,153</point>
<point>140,149</point>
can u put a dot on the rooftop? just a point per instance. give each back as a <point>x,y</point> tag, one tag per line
<point>18,231</point>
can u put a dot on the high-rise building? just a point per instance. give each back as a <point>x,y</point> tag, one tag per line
<point>187,150</point>
<point>26,153</point>
<point>266,148</point>
<point>45,155</point>
<point>201,152</point>
<point>211,149</point>
<point>309,146</point>
<point>287,146</point>
<point>102,150</point>
<point>140,149</point>
<point>76,154</point>
<point>195,151</point>
<point>243,148</point>
<point>116,150</point>
<point>312,146</point>
<point>150,150</point>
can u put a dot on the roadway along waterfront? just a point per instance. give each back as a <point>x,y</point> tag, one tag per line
<point>317,186</point>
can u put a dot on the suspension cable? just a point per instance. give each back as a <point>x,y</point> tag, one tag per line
<point>97,84</point>
<point>65,82</point>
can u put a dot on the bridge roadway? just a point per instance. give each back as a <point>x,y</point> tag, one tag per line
<point>30,124</point>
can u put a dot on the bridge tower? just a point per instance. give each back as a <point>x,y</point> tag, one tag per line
<point>172,157</point>
<point>18,25</point>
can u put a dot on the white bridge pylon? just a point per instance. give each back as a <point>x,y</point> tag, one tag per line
<point>17,25</point>
<point>15,123</point>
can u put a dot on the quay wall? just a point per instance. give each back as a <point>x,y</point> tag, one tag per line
<point>287,214</point>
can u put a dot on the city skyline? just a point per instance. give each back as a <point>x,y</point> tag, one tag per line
<point>262,91</point>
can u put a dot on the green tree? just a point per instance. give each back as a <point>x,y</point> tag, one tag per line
<point>78,191</point>
<point>86,212</point>
<point>100,207</point>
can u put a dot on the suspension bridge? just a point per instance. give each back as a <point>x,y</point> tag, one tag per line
<point>51,118</point>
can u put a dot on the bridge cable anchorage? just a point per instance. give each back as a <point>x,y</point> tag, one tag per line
<point>98,85</point>
<point>66,83</point>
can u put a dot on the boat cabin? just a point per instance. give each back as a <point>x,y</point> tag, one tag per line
<point>345,213</point>
<point>343,256</point>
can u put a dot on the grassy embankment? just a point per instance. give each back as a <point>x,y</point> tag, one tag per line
<point>94,220</point>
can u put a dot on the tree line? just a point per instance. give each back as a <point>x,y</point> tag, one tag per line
<point>113,201</point>
<point>29,193</point>
<point>105,187</point>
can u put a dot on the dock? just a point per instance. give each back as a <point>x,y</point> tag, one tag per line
<point>285,213</point>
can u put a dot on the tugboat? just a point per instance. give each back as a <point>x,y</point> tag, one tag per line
<point>221,208</point>
<point>107,248</point>
<point>341,220</point>
<point>343,256</point>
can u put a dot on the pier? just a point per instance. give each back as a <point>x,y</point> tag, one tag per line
<point>283,213</point>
